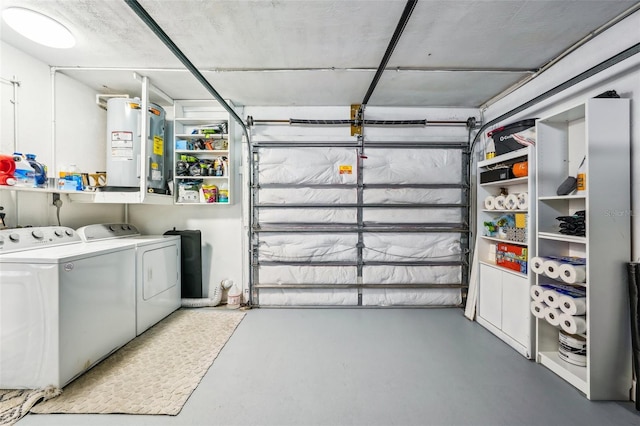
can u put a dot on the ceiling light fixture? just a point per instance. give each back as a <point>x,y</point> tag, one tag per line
<point>38,27</point>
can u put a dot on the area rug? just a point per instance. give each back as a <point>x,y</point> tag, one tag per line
<point>14,404</point>
<point>153,374</point>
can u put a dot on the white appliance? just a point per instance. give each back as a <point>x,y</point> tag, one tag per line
<point>64,305</point>
<point>157,257</point>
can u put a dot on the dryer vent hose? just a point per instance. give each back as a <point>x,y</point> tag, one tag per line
<point>199,303</point>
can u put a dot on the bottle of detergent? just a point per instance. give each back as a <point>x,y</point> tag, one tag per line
<point>7,170</point>
<point>39,171</point>
<point>24,173</point>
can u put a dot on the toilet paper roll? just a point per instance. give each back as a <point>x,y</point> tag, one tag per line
<point>575,359</point>
<point>552,315</point>
<point>551,298</point>
<point>573,305</point>
<point>573,324</point>
<point>551,268</point>
<point>572,274</point>
<point>536,293</point>
<point>523,201</point>
<point>574,342</point>
<point>490,203</point>
<point>511,202</point>
<point>499,202</point>
<point>537,309</point>
<point>536,265</point>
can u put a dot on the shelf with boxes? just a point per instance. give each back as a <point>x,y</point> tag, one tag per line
<point>505,239</point>
<point>579,297</point>
<point>203,146</point>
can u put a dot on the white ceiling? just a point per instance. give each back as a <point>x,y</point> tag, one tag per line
<point>287,52</point>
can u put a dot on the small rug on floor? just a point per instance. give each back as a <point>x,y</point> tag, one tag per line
<point>156,372</point>
<point>14,404</point>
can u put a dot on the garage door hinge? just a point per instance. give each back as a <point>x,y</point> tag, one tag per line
<point>356,119</point>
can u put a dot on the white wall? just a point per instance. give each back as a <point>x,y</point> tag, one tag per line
<point>623,78</point>
<point>78,123</point>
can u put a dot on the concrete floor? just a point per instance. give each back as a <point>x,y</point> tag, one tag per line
<point>372,367</point>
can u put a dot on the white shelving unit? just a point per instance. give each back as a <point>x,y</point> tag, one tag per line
<point>503,294</point>
<point>213,151</point>
<point>599,129</point>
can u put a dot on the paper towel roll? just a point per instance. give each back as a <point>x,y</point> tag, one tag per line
<point>551,269</point>
<point>511,202</point>
<point>551,298</point>
<point>490,203</point>
<point>536,293</point>
<point>523,201</point>
<point>537,309</point>
<point>499,202</point>
<point>536,265</point>
<point>572,274</point>
<point>573,324</point>
<point>573,305</point>
<point>552,315</point>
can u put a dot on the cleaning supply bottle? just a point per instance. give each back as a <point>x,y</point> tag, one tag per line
<point>581,178</point>
<point>7,169</point>
<point>39,171</point>
<point>24,173</point>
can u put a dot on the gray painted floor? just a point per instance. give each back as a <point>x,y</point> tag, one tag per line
<point>372,367</point>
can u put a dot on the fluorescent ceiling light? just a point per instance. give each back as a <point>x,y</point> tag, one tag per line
<point>38,27</point>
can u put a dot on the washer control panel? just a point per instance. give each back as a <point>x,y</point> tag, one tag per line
<point>20,239</point>
<point>105,231</point>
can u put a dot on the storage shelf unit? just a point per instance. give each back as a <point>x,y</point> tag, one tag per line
<point>193,186</point>
<point>599,129</point>
<point>503,294</point>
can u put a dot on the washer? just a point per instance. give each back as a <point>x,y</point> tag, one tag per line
<point>157,257</point>
<point>64,305</point>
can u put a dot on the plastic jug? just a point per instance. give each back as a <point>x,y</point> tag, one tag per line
<point>39,171</point>
<point>7,169</point>
<point>24,173</point>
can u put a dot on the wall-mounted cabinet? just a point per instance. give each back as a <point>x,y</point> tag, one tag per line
<point>203,145</point>
<point>598,130</point>
<point>506,223</point>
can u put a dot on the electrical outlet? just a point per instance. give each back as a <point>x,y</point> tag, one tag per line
<point>56,199</point>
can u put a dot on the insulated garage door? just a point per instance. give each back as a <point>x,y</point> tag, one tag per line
<point>344,224</point>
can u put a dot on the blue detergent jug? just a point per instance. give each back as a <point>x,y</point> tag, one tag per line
<point>39,171</point>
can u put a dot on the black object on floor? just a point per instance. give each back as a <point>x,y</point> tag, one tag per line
<point>190,262</point>
<point>634,300</point>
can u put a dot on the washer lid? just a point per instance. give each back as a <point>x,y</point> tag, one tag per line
<point>65,253</point>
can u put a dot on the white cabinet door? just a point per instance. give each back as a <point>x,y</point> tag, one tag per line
<point>515,307</point>
<point>490,295</point>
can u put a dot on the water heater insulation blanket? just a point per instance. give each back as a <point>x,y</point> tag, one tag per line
<point>308,166</point>
<point>405,166</point>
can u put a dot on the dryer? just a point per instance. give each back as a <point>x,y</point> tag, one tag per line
<point>157,258</point>
<point>64,305</point>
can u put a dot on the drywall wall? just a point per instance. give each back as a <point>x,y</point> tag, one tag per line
<point>79,125</point>
<point>623,77</point>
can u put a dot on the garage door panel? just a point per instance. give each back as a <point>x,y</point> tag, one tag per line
<point>308,215</point>
<point>401,274</point>
<point>307,247</point>
<point>411,297</point>
<point>412,166</point>
<point>411,247</point>
<point>451,216</point>
<point>311,297</point>
<point>309,274</point>
<point>411,196</point>
<point>308,166</point>
<point>308,195</point>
